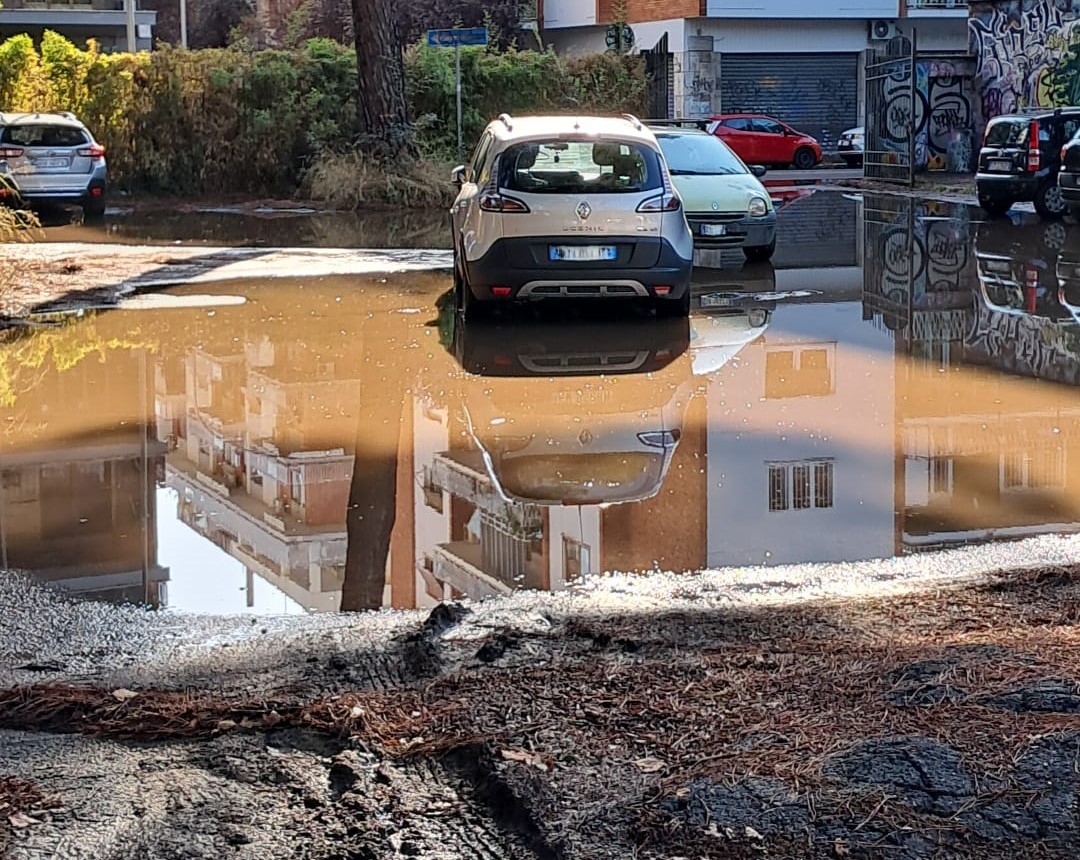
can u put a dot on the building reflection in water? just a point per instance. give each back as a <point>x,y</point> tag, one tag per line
<point>79,464</point>
<point>348,453</point>
<point>982,452</point>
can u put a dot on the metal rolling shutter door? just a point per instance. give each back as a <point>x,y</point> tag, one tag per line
<point>815,93</point>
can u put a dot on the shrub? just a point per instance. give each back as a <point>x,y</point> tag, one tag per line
<point>236,121</point>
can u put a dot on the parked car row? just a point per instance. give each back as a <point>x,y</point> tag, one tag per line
<point>51,158</point>
<point>1023,159</point>
<point>590,207</point>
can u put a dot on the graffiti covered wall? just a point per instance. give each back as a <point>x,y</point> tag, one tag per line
<point>944,118</point>
<point>1027,54</point>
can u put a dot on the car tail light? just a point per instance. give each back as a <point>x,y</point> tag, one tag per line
<point>664,203</point>
<point>492,201</point>
<point>501,292</point>
<point>95,150</point>
<point>10,152</point>
<point>1034,162</point>
<point>660,438</point>
<point>662,291</point>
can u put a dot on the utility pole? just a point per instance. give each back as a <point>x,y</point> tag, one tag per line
<point>183,24</point>
<point>129,8</point>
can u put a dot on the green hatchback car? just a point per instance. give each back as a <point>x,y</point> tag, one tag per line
<point>726,205</point>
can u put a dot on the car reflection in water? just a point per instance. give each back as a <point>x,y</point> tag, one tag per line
<point>1018,268</point>
<point>732,306</point>
<point>576,414</point>
<point>1068,276</point>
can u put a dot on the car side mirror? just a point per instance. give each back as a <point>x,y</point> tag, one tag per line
<point>758,170</point>
<point>458,175</point>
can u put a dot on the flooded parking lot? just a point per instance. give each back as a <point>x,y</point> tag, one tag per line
<point>900,379</point>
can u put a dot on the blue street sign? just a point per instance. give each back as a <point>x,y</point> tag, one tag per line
<point>461,38</point>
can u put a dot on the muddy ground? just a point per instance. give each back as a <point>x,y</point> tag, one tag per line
<point>705,716</point>
<point>59,276</point>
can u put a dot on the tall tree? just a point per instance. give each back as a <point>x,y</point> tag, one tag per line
<point>369,520</point>
<point>381,77</point>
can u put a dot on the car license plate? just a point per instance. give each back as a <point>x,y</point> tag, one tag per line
<point>713,229</point>
<point>586,397</point>
<point>584,253</point>
<point>999,165</point>
<point>717,300</point>
<point>845,144</point>
<point>1068,180</point>
<point>52,163</point>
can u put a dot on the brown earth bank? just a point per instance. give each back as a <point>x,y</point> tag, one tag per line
<point>935,724</point>
<point>60,276</point>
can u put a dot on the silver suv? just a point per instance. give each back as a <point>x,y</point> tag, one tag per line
<point>52,158</point>
<point>569,207</point>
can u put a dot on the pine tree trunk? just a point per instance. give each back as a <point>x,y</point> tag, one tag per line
<point>369,521</point>
<point>381,76</point>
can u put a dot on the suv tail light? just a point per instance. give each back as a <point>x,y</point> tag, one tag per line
<point>10,152</point>
<point>93,151</point>
<point>1034,162</point>
<point>492,201</point>
<point>664,203</point>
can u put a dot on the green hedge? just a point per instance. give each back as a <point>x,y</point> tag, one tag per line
<point>234,121</point>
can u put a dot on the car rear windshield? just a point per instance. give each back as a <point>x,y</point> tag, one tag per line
<point>43,135</point>
<point>1008,132</point>
<point>580,167</point>
<point>699,155</point>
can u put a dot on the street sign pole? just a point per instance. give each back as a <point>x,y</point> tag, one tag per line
<point>457,39</point>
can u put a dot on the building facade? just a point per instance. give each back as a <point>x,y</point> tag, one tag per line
<point>801,62</point>
<point>104,21</point>
<point>1027,54</point>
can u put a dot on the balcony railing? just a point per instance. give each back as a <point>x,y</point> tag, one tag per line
<point>937,4</point>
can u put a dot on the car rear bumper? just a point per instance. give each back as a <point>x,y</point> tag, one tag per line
<point>501,267</point>
<point>1006,186</point>
<point>88,188</point>
<point>745,232</point>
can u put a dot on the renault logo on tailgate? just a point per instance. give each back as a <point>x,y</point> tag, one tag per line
<point>584,210</point>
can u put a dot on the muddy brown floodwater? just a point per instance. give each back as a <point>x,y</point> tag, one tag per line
<point>300,446</point>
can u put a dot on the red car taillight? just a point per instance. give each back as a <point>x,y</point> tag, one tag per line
<point>93,151</point>
<point>10,152</point>
<point>1034,162</point>
<point>663,203</point>
<point>491,201</point>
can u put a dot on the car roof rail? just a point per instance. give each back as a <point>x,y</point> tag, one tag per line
<point>633,120</point>
<point>66,114</point>
<point>680,122</point>
<point>507,120</point>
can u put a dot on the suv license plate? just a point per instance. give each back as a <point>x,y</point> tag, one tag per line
<point>713,229</point>
<point>52,163</point>
<point>1000,166</point>
<point>584,253</point>
<point>718,300</point>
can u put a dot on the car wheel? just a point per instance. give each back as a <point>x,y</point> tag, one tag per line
<point>804,159</point>
<point>1055,236</point>
<point>1048,201</point>
<point>851,160</point>
<point>995,207</point>
<point>760,253</point>
<point>94,211</point>
<point>674,308</point>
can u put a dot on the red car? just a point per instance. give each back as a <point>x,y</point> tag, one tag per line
<point>760,139</point>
